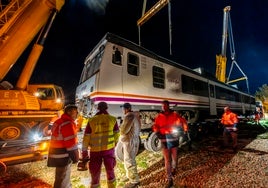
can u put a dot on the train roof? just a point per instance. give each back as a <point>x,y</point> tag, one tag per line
<point>110,37</point>
<point>137,48</point>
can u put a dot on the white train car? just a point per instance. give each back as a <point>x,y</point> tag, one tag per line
<point>118,71</point>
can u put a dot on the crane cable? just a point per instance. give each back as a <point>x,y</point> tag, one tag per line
<point>146,16</point>
<point>233,56</point>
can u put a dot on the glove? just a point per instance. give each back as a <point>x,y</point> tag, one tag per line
<point>74,155</point>
<point>82,164</point>
<point>234,127</point>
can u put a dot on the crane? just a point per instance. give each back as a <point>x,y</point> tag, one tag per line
<point>221,59</point>
<point>27,109</point>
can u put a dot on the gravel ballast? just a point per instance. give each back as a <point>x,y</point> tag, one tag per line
<point>205,166</point>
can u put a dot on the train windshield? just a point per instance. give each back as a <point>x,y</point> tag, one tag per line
<point>92,66</point>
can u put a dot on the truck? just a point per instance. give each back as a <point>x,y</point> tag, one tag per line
<point>26,109</point>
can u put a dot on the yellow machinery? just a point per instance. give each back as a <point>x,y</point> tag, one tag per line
<point>25,110</point>
<point>221,59</point>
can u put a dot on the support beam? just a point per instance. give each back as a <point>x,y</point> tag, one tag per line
<point>158,6</point>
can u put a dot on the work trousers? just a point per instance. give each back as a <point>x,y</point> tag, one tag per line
<point>226,134</point>
<point>95,163</point>
<point>62,177</point>
<point>171,160</point>
<point>130,149</point>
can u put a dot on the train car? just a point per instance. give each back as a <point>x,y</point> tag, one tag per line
<point>118,71</point>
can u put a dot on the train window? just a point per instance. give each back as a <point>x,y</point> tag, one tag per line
<point>117,57</point>
<point>97,62</point>
<point>226,94</point>
<point>194,86</point>
<point>248,99</point>
<point>133,64</point>
<point>211,91</point>
<point>91,66</point>
<point>83,75</point>
<point>158,77</point>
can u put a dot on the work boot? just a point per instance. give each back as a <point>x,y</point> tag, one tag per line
<point>132,185</point>
<point>125,179</point>
<point>173,172</point>
<point>234,149</point>
<point>170,183</point>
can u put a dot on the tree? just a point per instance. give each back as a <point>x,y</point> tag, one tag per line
<point>262,95</point>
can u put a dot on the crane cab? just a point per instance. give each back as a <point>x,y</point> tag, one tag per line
<point>50,96</point>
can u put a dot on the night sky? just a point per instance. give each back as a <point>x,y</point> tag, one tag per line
<point>196,37</point>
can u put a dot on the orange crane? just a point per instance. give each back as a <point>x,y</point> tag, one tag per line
<point>26,109</point>
<point>221,59</point>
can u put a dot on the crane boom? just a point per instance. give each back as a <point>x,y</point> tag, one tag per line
<point>27,109</point>
<point>221,59</point>
<point>22,19</point>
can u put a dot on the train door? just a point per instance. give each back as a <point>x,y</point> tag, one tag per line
<point>132,82</point>
<point>212,100</point>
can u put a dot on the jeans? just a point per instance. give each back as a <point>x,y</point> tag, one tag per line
<point>226,134</point>
<point>171,160</point>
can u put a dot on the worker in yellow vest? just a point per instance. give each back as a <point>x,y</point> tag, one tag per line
<point>100,138</point>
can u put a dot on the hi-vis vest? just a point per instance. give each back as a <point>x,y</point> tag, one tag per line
<point>102,136</point>
<point>229,119</point>
<point>165,123</point>
<point>63,139</point>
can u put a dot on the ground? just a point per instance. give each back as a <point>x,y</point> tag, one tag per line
<point>204,166</point>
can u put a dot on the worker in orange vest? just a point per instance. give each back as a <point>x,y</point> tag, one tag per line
<point>63,150</point>
<point>229,121</point>
<point>167,126</point>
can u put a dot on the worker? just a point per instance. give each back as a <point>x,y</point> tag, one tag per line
<point>63,150</point>
<point>100,138</point>
<point>167,125</point>
<point>129,136</point>
<point>229,121</point>
<point>258,115</point>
